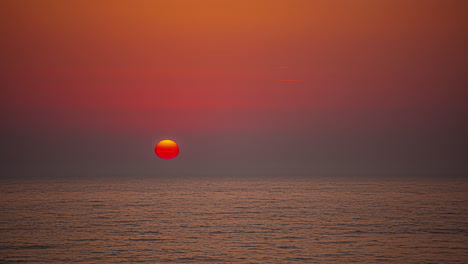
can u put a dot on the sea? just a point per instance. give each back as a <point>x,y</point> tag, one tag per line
<point>234,220</point>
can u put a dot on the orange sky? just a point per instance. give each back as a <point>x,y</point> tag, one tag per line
<point>185,67</point>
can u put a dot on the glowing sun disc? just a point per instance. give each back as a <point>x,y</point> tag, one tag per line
<point>167,149</point>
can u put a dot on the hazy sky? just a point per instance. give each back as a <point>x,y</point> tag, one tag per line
<point>246,87</point>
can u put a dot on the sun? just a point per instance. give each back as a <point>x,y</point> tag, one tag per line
<point>166,149</point>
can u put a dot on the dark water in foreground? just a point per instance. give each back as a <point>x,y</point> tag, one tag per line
<point>234,221</point>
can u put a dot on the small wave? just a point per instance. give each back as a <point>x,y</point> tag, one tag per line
<point>18,247</point>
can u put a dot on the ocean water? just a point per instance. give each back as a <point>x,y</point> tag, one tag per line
<point>233,221</point>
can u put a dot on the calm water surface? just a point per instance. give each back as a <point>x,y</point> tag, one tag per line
<point>233,221</point>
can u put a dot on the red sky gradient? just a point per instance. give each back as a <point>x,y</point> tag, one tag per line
<point>233,70</point>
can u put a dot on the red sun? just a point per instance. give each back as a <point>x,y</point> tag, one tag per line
<point>167,149</point>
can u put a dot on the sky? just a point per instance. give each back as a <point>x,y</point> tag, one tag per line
<point>246,88</point>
